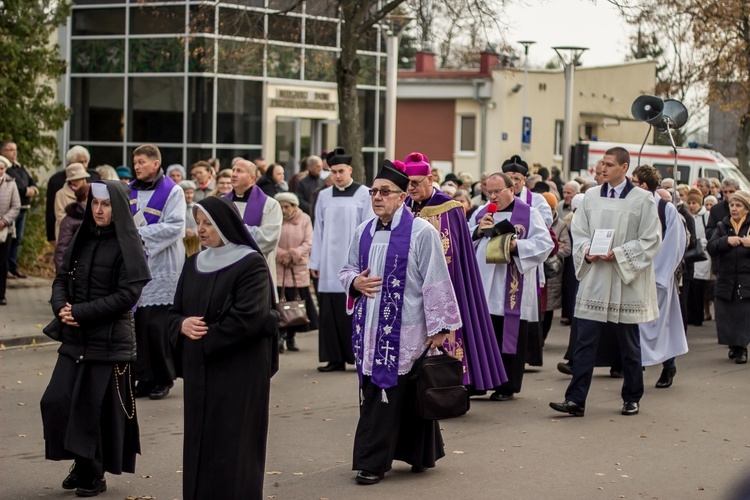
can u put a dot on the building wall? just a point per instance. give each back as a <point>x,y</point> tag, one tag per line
<point>427,126</point>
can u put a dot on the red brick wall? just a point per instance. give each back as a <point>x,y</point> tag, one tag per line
<point>427,126</point>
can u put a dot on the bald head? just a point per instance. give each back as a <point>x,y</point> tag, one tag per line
<point>244,173</point>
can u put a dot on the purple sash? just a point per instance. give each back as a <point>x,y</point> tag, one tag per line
<point>520,219</point>
<point>152,212</point>
<point>388,333</point>
<point>253,215</point>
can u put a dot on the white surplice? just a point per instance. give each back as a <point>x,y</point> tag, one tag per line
<point>540,203</point>
<point>266,235</point>
<point>532,251</point>
<point>664,337</point>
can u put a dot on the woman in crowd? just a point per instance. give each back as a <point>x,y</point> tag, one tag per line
<point>682,192</point>
<point>74,213</point>
<point>292,256</point>
<point>709,201</point>
<point>225,339</point>
<point>554,285</point>
<point>272,182</point>
<point>223,183</point>
<point>702,275</point>
<point>176,172</point>
<point>88,409</point>
<point>464,199</point>
<point>107,173</point>
<point>10,207</point>
<point>730,243</point>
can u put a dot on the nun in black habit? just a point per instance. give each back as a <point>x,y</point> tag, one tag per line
<point>88,409</point>
<point>224,332</point>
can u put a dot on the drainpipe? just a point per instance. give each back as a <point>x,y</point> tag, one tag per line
<point>483,119</point>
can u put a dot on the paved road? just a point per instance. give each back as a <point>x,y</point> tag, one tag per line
<point>690,441</point>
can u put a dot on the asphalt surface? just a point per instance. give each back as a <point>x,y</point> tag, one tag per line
<point>689,441</point>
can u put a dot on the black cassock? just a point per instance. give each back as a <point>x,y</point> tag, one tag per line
<point>227,378</point>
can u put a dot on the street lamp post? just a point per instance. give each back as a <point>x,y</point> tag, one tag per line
<point>526,44</point>
<point>396,25</point>
<point>569,63</point>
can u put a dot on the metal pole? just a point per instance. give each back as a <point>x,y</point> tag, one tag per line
<point>390,93</point>
<point>568,123</point>
<point>526,45</point>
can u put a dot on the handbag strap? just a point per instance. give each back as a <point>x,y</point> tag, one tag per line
<point>296,288</point>
<point>282,295</point>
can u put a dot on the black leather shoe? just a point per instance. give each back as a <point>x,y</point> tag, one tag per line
<point>417,469</point>
<point>367,477</point>
<point>498,396</point>
<point>565,368</point>
<point>143,389</point>
<point>741,358</point>
<point>291,345</point>
<point>615,373</point>
<point>333,367</point>
<point>160,391</point>
<point>3,302</point>
<point>92,488</point>
<point>630,408</point>
<point>21,276</point>
<point>72,481</point>
<point>732,352</point>
<point>665,380</point>
<point>281,346</point>
<point>568,407</point>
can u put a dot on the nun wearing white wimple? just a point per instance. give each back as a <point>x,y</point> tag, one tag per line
<point>222,327</point>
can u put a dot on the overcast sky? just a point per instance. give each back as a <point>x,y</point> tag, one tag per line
<point>584,23</point>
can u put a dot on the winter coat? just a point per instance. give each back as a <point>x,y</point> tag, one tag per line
<point>10,203</point>
<point>733,278</point>
<point>702,270</point>
<point>554,285</point>
<point>96,284</point>
<point>296,240</point>
<point>68,227</point>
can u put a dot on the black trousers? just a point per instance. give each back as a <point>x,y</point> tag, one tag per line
<point>514,363</point>
<point>155,362</point>
<point>335,334</point>
<point>584,358</point>
<point>695,302</point>
<point>4,253</point>
<point>687,284</point>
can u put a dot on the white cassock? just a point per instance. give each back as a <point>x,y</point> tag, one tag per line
<point>664,337</point>
<point>337,216</point>
<point>430,304</point>
<point>538,202</point>
<point>532,252</point>
<point>164,248</point>
<point>266,235</point>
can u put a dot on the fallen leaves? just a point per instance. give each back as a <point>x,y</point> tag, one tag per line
<point>458,452</point>
<point>273,473</point>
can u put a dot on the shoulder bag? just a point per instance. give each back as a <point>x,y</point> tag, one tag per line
<point>291,312</point>
<point>440,392</point>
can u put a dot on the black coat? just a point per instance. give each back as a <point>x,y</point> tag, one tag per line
<point>733,277</point>
<point>305,191</point>
<point>74,213</point>
<point>227,376</point>
<point>97,286</point>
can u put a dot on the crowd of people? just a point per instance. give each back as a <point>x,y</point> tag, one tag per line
<point>189,266</point>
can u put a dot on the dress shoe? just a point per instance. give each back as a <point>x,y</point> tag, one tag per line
<point>615,373</point>
<point>160,391</point>
<point>417,469</point>
<point>630,408</point>
<point>499,396</point>
<point>143,389</point>
<point>73,481</point>
<point>665,380</point>
<point>565,368</point>
<point>291,345</point>
<point>564,321</point>
<point>333,367</point>
<point>741,358</point>
<point>568,407</point>
<point>21,276</point>
<point>367,477</point>
<point>281,346</point>
<point>92,488</point>
<point>11,276</point>
<point>732,352</point>
<point>3,302</point>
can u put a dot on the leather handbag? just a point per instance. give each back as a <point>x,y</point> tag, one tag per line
<point>440,393</point>
<point>291,312</point>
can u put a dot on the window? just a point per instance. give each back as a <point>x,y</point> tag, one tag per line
<point>559,126</point>
<point>709,173</point>
<point>240,113</point>
<point>200,109</point>
<point>94,22</point>
<point>284,28</point>
<point>468,133</point>
<point>97,105</point>
<point>157,20</point>
<point>666,170</point>
<point>320,33</point>
<point>156,109</point>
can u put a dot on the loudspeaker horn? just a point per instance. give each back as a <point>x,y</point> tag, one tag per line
<point>675,112</point>
<point>648,108</point>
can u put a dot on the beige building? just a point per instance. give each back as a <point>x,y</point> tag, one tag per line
<point>472,120</point>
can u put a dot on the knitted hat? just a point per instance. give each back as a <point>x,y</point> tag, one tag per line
<point>188,184</point>
<point>741,196</point>
<point>290,198</point>
<point>177,167</point>
<point>417,164</point>
<point>123,172</point>
<point>551,200</point>
<point>695,195</point>
<point>576,201</point>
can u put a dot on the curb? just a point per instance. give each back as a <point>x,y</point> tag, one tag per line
<point>27,341</point>
<point>30,282</point>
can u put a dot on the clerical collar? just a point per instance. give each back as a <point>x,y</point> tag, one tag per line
<point>509,208</point>
<point>351,181</point>
<point>140,185</point>
<point>380,226</point>
<point>241,199</point>
<point>349,190</point>
<point>417,206</point>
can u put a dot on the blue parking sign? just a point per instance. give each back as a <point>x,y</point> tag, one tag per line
<point>526,131</point>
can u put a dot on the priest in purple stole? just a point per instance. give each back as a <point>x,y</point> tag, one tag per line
<point>510,246</point>
<point>402,301</point>
<point>474,343</point>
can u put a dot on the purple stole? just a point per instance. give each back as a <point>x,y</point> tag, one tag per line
<point>388,333</point>
<point>153,210</point>
<point>253,215</point>
<point>520,219</point>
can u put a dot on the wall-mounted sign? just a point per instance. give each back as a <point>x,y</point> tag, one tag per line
<point>303,99</point>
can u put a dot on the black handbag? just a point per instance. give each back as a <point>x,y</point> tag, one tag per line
<point>696,254</point>
<point>291,312</point>
<point>440,393</point>
<point>553,266</point>
<point>54,329</point>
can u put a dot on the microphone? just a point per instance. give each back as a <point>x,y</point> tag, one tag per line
<point>492,208</point>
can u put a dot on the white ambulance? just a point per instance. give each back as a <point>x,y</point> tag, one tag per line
<point>692,163</point>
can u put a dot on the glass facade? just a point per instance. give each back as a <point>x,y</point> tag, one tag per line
<point>192,77</point>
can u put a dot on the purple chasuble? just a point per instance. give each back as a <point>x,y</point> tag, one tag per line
<point>253,215</point>
<point>155,206</point>
<point>388,332</point>
<point>474,343</point>
<point>520,218</point>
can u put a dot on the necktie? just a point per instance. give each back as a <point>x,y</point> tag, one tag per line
<point>612,193</point>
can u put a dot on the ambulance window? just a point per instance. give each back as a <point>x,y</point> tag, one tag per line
<point>667,171</point>
<point>711,172</point>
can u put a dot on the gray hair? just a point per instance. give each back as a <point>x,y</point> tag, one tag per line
<point>574,185</point>
<point>73,153</point>
<point>313,160</point>
<point>729,182</point>
<point>703,180</point>
<point>107,172</point>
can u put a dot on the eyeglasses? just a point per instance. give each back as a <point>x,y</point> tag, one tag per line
<point>383,192</point>
<point>415,184</point>
<point>497,192</point>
